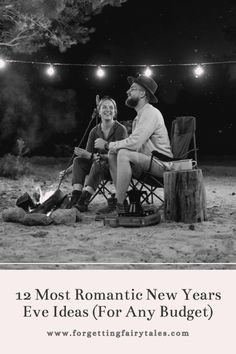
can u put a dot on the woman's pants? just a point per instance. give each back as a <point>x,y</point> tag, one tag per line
<point>89,173</point>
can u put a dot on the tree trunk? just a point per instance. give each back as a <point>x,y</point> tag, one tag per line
<point>184,196</point>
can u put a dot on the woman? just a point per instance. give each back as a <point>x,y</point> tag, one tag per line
<point>91,165</point>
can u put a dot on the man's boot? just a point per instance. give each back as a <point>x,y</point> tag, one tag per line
<point>74,198</point>
<point>83,202</point>
<point>111,205</point>
<point>122,209</point>
<point>113,210</point>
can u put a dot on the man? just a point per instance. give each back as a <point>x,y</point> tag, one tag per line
<point>131,156</point>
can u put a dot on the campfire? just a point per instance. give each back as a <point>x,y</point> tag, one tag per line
<point>43,208</point>
<point>40,196</point>
<point>42,202</point>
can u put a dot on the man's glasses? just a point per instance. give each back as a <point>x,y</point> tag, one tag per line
<point>134,89</point>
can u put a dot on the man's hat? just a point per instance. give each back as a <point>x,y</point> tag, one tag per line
<point>146,82</point>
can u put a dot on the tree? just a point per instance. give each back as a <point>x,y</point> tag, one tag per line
<point>28,25</point>
<point>33,113</point>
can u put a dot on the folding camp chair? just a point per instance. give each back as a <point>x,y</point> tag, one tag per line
<point>183,144</point>
<point>183,138</point>
<point>103,188</point>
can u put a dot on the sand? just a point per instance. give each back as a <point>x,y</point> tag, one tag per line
<point>90,244</point>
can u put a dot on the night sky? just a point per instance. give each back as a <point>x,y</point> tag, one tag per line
<point>168,32</point>
<point>158,32</point>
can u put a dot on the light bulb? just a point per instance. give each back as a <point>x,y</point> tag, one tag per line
<point>148,71</point>
<point>2,63</point>
<point>198,71</point>
<point>50,71</point>
<point>100,72</point>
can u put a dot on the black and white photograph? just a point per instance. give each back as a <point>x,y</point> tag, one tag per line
<point>117,133</point>
<point>117,176</point>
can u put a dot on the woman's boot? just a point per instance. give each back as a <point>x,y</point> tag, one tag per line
<point>83,202</point>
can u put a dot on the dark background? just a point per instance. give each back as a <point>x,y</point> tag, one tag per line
<point>57,110</point>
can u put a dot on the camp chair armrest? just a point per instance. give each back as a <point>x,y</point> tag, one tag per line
<point>169,159</point>
<point>161,157</point>
<point>150,164</point>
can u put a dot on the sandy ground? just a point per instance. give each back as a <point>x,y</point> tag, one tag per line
<point>90,244</point>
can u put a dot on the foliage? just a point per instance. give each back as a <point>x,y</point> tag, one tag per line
<point>34,113</point>
<point>22,149</point>
<point>14,166</point>
<point>28,25</point>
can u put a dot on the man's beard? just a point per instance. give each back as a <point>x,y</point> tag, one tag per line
<point>131,102</point>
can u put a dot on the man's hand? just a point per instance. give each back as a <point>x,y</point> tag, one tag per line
<point>100,144</point>
<point>82,153</point>
<point>112,150</point>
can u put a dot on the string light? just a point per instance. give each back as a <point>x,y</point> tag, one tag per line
<point>100,72</point>
<point>2,63</point>
<point>119,65</point>
<point>198,71</point>
<point>50,71</point>
<point>148,72</point>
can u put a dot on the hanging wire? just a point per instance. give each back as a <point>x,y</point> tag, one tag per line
<point>118,65</point>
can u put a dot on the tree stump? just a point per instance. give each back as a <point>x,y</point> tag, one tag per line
<point>184,196</point>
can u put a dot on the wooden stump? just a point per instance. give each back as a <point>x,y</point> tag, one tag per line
<point>184,196</point>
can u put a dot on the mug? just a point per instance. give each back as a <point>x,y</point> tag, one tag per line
<point>181,165</point>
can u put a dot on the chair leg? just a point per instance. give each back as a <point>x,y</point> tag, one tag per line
<point>149,197</point>
<point>102,189</point>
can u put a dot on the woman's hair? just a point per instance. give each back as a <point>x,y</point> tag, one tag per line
<point>105,98</point>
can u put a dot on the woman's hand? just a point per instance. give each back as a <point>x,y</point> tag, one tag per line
<point>96,157</point>
<point>62,174</point>
<point>82,153</point>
